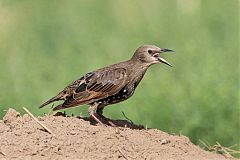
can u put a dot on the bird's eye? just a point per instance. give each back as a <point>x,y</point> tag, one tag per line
<point>150,51</point>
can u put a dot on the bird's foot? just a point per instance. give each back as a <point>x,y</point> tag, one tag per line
<point>99,118</point>
<point>109,121</point>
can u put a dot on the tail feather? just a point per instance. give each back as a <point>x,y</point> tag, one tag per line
<point>60,106</point>
<point>50,101</point>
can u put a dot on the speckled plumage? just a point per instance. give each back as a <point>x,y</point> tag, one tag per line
<point>109,85</point>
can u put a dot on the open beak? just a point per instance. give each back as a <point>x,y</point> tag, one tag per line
<point>160,59</point>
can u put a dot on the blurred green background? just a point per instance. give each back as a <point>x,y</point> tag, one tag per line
<point>45,45</point>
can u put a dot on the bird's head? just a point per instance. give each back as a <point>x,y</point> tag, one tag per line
<point>150,54</point>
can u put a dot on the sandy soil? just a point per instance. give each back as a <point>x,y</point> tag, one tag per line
<point>75,138</point>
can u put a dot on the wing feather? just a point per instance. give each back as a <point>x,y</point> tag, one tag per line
<point>96,86</point>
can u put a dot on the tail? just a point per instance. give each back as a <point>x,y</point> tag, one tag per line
<point>60,106</point>
<point>56,98</point>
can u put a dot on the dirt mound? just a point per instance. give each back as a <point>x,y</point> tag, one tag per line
<point>23,138</point>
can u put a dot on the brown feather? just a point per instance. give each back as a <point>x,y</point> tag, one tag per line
<point>98,86</point>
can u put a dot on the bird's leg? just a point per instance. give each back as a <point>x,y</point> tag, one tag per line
<point>100,113</point>
<point>92,110</point>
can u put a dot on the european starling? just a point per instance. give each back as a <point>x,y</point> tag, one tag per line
<point>110,84</point>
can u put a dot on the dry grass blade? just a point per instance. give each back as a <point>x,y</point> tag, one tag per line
<point>218,148</point>
<point>2,153</point>
<point>122,153</point>
<point>35,119</point>
<point>204,144</point>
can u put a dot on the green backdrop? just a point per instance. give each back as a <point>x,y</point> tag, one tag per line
<point>45,45</point>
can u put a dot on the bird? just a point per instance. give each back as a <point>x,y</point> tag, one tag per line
<point>109,85</point>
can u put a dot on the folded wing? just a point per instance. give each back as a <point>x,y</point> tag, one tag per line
<point>94,86</point>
